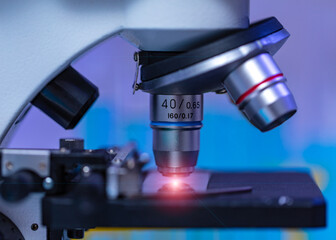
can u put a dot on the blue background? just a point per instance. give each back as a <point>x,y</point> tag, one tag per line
<point>228,141</point>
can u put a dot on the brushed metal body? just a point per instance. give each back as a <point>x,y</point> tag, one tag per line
<point>176,123</point>
<point>271,102</point>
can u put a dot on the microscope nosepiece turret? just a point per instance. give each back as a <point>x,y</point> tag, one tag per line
<point>240,64</point>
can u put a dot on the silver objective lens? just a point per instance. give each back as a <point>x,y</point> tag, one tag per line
<point>176,123</point>
<point>259,89</point>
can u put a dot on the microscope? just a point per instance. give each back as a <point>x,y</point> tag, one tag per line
<point>186,49</point>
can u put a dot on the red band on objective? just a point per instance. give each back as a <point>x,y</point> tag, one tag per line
<point>252,89</point>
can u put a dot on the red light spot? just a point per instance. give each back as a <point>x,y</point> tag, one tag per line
<point>175,183</point>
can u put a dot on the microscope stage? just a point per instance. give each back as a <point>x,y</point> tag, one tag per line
<point>266,200</point>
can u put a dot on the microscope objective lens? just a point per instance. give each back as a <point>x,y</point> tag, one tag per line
<point>258,87</point>
<point>176,121</point>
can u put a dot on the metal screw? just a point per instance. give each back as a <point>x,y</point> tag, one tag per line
<point>131,163</point>
<point>34,226</point>
<point>144,158</point>
<point>86,171</point>
<point>222,91</point>
<point>63,149</point>
<point>48,183</point>
<point>117,160</point>
<point>136,56</point>
<point>136,87</point>
<point>284,200</point>
<point>9,165</point>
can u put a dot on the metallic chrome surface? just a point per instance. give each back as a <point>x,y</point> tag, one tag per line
<point>176,124</point>
<point>14,160</point>
<point>176,108</point>
<point>258,88</point>
<point>176,150</point>
<point>270,107</point>
<point>249,74</point>
<point>208,75</point>
<point>180,139</point>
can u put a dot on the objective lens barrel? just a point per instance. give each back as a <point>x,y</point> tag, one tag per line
<point>259,89</point>
<point>176,123</point>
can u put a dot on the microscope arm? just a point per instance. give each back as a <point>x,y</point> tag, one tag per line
<point>40,39</point>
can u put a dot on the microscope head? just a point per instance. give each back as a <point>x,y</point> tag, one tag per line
<point>193,53</point>
<point>240,64</point>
